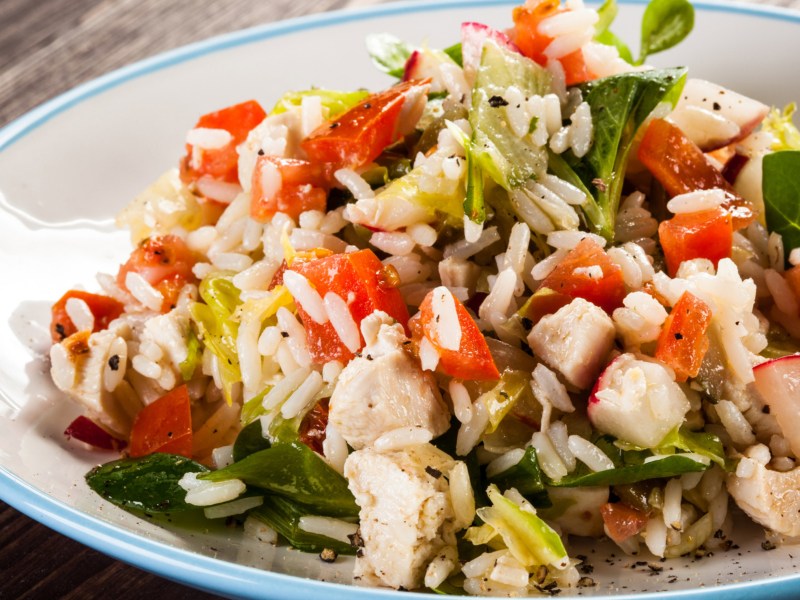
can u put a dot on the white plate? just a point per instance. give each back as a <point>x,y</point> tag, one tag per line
<point>67,167</point>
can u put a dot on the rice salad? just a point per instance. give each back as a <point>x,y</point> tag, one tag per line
<point>535,290</point>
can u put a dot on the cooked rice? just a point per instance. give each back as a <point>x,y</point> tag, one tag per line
<point>462,403</point>
<point>335,529</point>
<point>232,508</point>
<point>400,438</point>
<point>589,454</point>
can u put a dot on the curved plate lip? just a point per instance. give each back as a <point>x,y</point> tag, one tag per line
<point>228,578</point>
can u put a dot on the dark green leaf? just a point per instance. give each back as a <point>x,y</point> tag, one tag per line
<point>619,105</point>
<point>699,442</point>
<point>671,466</point>
<point>295,471</point>
<point>254,408</point>
<point>148,484</point>
<point>249,441</point>
<point>526,477</point>
<point>781,186</point>
<point>665,23</point>
<point>284,515</point>
<point>454,52</point>
<point>388,53</point>
<point>606,14</point>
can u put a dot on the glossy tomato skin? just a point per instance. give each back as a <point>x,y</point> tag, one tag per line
<point>165,262</point>
<point>164,426</point>
<point>303,186</point>
<point>104,309</point>
<point>606,291</point>
<point>313,426</point>
<point>622,521</point>
<point>532,43</point>
<point>472,360</point>
<point>683,341</point>
<point>681,167</point>
<point>705,234</point>
<point>222,164</point>
<point>360,279</point>
<point>358,136</point>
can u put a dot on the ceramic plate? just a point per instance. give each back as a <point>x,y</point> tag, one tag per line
<point>69,166</point>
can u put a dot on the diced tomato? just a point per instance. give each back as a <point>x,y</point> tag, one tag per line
<point>87,431</point>
<point>164,426</point>
<point>222,163</point>
<point>705,234</point>
<point>313,426</point>
<point>104,309</point>
<point>622,521</point>
<point>472,360</point>
<point>532,43</point>
<point>361,280</point>
<point>357,137</point>
<point>573,276</point>
<point>165,262</point>
<point>681,167</point>
<point>683,341</point>
<point>289,186</point>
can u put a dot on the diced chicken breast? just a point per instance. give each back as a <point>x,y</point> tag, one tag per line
<point>406,515</point>
<point>385,389</point>
<point>79,368</point>
<point>770,498</point>
<point>575,340</point>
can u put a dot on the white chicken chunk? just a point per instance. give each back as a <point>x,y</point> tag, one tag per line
<point>80,367</point>
<point>770,498</point>
<point>385,389</point>
<point>406,515</point>
<point>575,340</point>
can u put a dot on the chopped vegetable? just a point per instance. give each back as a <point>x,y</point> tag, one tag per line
<point>164,426</point>
<point>683,341</point>
<point>87,431</point>
<point>782,195</point>
<point>103,308</point>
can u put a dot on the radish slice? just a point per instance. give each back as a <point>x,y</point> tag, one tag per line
<point>713,116</point>
<point>778,383</point>
<point>637,401</point>
<point>473,35</point>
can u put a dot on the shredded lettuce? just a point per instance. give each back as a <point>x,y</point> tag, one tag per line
<point>334,101</point>
<point>217,327</point>
<point>780,125</point>
<point>531,541</point>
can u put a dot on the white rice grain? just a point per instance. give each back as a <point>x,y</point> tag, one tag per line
<point>331,370</point>
<point>206,493</point>
<point>428,356</point>
<point>469,434</point>
<point>567,240</point>
<point>462,403</point>
<point>549,460</point>
<point>673,493</point>
<point>143,365</point>
<point>311,115</point>
<point>465,248</point>
<point>354,183</point>
<point>794,257</point>
<point>565,190</point>
<point>440,567</point>
<point>559,436</point>
<point>548,384</point>
<point>568,22</point>
<point>112,377</point>
<point>222,456</point>
<point>504,462</point>
<point>402,437</point>
<point>334,447</point>
<point>422,234</point>
<point>696,201</point>
<point>655,536</point>
<point>208,139</point>
<point>336,529</point>
<point>396,243</point>
<point>568,43</point>
<point>80,314</point>
<point>499,300</point>
<point>257,276</point>
<point>461,495</point>
<point>145,293</point>
<point>284,388</point>
<point>311,219</point>
<point>232,508</point>
<point>230,261</point>
<point>306,296</point>
<point>342,321</point>
<point>268,341</point>
<point>775,252</point>
<point>302,396</point>
<point>589,454</point>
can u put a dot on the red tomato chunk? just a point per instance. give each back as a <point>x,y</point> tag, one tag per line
<point>222,164</point>
<point>573,276</point>
<point>164,426</point>
<point>472,360</point>
<point>104,309</point>
<point>683,341</point>
<point>681,167</point>
<point>165,262</point>
<point>622,521</point>
<point>298,186</point>
<point>360,279</point>
<point>705,234</point>
<point>87,431</point>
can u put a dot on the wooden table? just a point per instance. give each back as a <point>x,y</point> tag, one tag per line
<point>48,47</point>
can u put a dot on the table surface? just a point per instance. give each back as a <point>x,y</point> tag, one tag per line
<point>46,48</point>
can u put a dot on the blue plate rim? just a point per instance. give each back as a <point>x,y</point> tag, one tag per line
<point>228,578</point>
